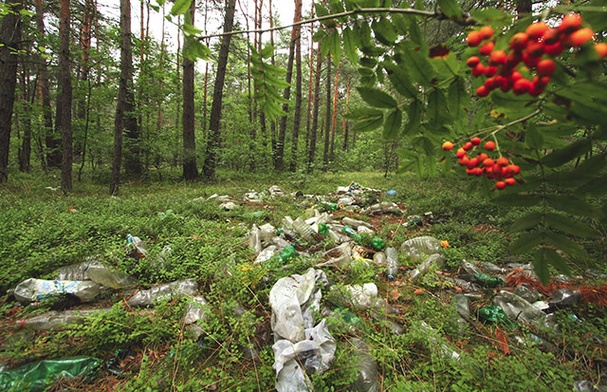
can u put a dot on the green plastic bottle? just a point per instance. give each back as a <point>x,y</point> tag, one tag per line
<point>488,280</point>
<point>377,243</point>
<point>287,253</point>
<point>351,232</point>
<point>323,229</point>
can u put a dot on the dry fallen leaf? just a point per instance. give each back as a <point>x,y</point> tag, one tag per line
<point>395,294</point>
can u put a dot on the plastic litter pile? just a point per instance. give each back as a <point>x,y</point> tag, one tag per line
<point>303,343</point>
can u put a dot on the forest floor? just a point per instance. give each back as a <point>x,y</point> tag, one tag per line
<point>432,325</point>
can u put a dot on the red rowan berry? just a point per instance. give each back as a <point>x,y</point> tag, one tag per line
<point>475,140</point>
<point>570,23</point>
<point>601,49</point>
<point>490,145</point>
<point>474,39</point>
<point>482,92</point>
<point>581,36</point>
<point>519,41</point>
<point>486,32</point>
<point>473,61</point>
<point>487,48</point>
<point>500,185</point>
<point>447,146</point>
<point>545,67</point>
<point>537,30</point>
<point>498,57</point>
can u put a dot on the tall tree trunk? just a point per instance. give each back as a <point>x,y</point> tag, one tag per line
<point>328,117</point>
<point>344,122</point>
<point>83,106</point>
<point>334,115</point>
<point>52,155</point>
<point>25,150</point>
<point>125,120</point>
<point>179,95</point>
<point>190,170</point>
<point>132,162</point>
<point>214,140</point>
<point>64,97</point>
<point>279,164</point>
<point>310,83</point>
<point>298,92</point>
<point>316,105</point>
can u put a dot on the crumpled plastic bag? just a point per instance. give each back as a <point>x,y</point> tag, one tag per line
<point>298,342</point>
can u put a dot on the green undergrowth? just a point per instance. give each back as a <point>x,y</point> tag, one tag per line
<point>187,236</point>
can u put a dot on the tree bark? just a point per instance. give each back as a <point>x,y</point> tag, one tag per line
<point>344,122</point>
<point>279,164</point>
<point>190,170</point>
<point>64,97</point>
<point>316,105</point>
<point>214,140</point>
<point>298,92</point>
<point>125,119</point>
<point>10,36</point>
<point>334,115</point>
<point>328,117</point>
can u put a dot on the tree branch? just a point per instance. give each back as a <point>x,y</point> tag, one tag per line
<point>467,21</point>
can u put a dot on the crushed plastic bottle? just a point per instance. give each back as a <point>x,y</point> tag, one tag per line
<point>287,253</point>
<point>420,247</point>
<point>352,233</point>
<point>518,309</point>
<point>111,278</point>
<point>377,243</point>
<point>347,221</point>
<point>166,291</point>
<point>488,280</point>
<point>56,320</point>
<point>326,206</point>
<point>379,258</point>
<point>391,262</point>
<point>303,229</point>
<point>495,314</point>
<point>368,374</point>
<point>135,248</point>
<point>32,290</point>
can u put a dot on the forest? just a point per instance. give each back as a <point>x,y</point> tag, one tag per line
<point>432,173</point>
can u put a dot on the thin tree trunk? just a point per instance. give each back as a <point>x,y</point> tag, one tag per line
<point>334,115</point>
<point>132,162</point>
<point>279,164</point>
<point>190,170</point>
<point>25,150</point>
<point>214,140</point>
<point>315,110</point>
<point>344,122</point>
<point>179,95</point>
<point>328,117</point>
<point>310,84</point>
<point>83,76</point>
<point>298,92</point>
<point>125,119</point>
<point>65,97</point>
<point>52,157</point>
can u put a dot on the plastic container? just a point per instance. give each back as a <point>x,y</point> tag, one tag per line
<point>56,320</point>
<point>488,280</point>
<point>110,278</point>
<point>287,253</point>
<point>31,290</point>
<point>391,262</point>
<point>255,239</point>
<point>303,229</point>
<point>172,290</point>
<point>379,258</point>
<point>347,221</point>
<point>351,232</point>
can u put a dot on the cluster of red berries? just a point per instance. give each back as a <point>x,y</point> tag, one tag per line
<point>535,48</point>
<point>500,169</point>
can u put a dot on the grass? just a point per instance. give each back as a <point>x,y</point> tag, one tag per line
<point>150,349</point>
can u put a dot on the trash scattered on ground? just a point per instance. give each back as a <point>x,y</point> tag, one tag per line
<point>501,296</point>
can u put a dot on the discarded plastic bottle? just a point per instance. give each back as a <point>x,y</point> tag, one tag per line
<point>351,232</point>
<point>495,314</point>
<point>323,229</point>
<point>377,243</point>
<point>488,280</point>
<point>303,229</point>
<point>135,247</point>
<point>326,206</point>
<point>110,278</point>
<point>392,262</point>
<point>287,253</point>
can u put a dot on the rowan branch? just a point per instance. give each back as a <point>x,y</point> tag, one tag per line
<point>466,21</point>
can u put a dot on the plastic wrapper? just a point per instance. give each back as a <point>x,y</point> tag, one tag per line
<point>172,290</point>
<point>420,248</point>
<point>529,294</point>
<point>36,376</point>
<point>31,290</point>
<point>111,278</point>
<point>300,347</point>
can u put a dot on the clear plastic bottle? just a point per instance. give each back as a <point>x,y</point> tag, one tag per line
<point>109,277</point>
<point>303,229</point>
<point>392,262</point>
